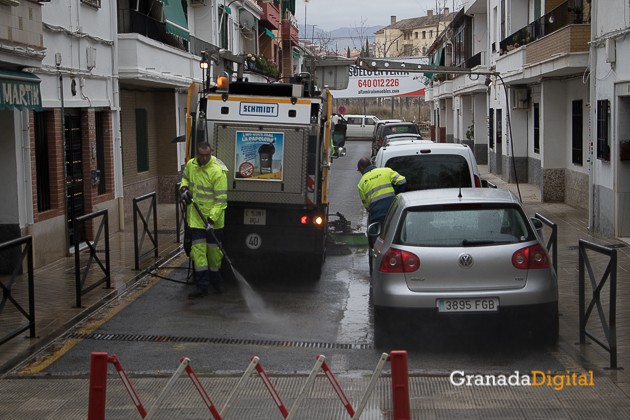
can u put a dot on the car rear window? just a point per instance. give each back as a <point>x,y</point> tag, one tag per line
<point>432,171</point>
<point>465,226</point>
<point>400,129</point>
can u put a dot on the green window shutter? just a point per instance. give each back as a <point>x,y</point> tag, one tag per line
<point>142,141</point>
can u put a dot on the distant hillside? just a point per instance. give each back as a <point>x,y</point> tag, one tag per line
<point>339,39</point>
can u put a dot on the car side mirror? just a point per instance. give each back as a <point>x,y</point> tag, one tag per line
<point>374,229</point>
<point>487,184</point>
<point>338,152</point>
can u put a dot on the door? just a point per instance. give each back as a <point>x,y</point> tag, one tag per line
<point>75,205</point>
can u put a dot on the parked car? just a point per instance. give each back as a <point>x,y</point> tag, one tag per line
<point>396,139</point>
<point>462,253</point>
<point>428,165</point>
<point>360,126</point>
<point>392,128</point>
<point>379,123</point>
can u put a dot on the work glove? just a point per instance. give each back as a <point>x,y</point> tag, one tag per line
<point>210,224</point>
<point>186,195</point>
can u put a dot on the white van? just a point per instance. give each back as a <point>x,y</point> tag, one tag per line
<point>360,126</point>
<point>428,165</point>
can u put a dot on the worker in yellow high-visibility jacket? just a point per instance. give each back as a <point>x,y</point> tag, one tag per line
<point>378,188</point>
<point>204,181</point>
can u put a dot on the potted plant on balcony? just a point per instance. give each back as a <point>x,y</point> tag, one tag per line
<point>268,68</point>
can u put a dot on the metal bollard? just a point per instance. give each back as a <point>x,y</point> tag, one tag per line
<point>98,386</point>
<point>400,385</point>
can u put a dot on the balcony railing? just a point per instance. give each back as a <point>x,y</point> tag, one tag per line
<point>567,13</point>
<point>130,21</point>
<point>473,61</point>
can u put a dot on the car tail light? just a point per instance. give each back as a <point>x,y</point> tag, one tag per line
<point>397,261</point>
<point>477,181</point>
<point>531,258</point>
<point>380,141</point>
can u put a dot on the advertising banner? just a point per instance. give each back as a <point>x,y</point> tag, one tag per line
<point>259,155</point>
<point>383,83</point>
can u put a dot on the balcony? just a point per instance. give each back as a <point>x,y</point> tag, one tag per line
<point>557,20</point>
<point>289,31</point>
<point>270,17</point>
<point>130,21</point>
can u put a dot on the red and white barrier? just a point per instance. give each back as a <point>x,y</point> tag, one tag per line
<point>400,387</point>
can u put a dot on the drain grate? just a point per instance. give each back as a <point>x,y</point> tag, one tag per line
<point>215,340</point>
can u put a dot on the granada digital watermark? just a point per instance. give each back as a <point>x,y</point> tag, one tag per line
<point>556,381</point>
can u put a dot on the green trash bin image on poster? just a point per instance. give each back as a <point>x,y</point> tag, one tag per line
<point>259,155</point>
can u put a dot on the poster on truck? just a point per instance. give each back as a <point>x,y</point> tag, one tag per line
<point>365,83</point>
<point>259,155</point>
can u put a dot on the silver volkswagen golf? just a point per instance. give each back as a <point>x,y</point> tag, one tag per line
<point>463,252</point>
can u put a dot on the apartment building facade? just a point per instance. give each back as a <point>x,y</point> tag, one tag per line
<point>96,96</point>
<point>410,37</point>
<point>546,99</point>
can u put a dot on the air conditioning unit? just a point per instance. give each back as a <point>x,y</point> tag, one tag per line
<point>519,98</point>
<point>197,3</point>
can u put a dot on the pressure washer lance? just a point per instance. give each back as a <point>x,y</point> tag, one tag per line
<point>210,229</point>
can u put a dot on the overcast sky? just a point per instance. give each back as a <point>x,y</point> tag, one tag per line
<point>333,14</point>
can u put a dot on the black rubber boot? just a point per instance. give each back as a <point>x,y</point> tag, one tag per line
<point>216,280</point>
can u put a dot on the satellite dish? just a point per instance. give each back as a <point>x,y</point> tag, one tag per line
<point>247,21</point>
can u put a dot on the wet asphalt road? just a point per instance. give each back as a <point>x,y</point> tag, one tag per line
<point>286,321</point>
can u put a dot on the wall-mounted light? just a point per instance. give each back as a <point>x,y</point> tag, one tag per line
<point>488,81</point>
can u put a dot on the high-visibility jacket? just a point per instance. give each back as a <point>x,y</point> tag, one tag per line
<point>208,184</point>
<point>377,189</point>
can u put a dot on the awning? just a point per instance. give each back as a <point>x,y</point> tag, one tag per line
<point>296,53</point>
<point>269,34</point>
<point>175,19</point>
<point>19,89</point>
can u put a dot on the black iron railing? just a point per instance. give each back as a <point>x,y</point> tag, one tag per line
<point>130,21</point>
<point>81,275</point>
<point>552,243</point>
<point>473,61</point>
<point>565,14</point>
<point>147,232</point>
<point>609,323</point>
<point>7,288</point>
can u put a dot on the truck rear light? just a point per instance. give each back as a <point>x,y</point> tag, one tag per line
<point>531,258</point>
<point>304,220</point>
<point>398,261</point>
<point>318,220</point>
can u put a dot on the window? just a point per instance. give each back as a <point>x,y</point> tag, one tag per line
<point>100,151</point>
<point>499,126</point>
<point>432,171</point>
<point>416,34</point>
<point>424,34</point>
<point>491,128</point>
<point>431,33</point>
<point>603,144</point>
<point>502,19</point>
<point>223,27</point>
<point>142,141</point>
<point>41,163</point>
<point>577,125</point>
<point>536,128</point>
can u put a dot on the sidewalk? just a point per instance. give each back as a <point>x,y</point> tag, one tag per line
<point>55,297</point>
<point>572,224</point>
